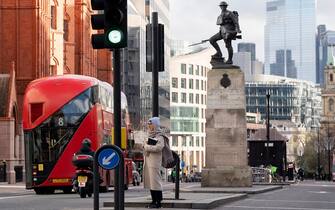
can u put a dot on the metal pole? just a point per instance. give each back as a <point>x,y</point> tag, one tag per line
<point>177,179</point>
<point>119,173</point>
<point>268,128</point>
<point>155,64</point>
<point>96,184</point>
<point>121,180</point>
<point>318,154</point>
<point>328,134</point>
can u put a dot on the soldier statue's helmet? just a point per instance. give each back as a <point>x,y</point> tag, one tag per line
<point>223,3</point>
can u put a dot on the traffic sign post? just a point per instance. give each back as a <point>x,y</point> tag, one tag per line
<point>108,157</point>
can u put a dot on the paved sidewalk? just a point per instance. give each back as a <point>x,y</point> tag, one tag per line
<point>196,197</point>
<point>186,201</point>
<point>255,189</point>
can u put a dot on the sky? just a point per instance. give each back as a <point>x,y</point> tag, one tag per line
<point>194,20</point>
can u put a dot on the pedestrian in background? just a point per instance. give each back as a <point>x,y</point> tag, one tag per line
<point>152,162</point>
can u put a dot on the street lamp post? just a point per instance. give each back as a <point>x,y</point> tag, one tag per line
<point>267,128</point>
<point>328,148</point>
<point>329,161</point>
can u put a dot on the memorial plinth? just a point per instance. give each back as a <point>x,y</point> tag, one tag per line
<point>226,144</point>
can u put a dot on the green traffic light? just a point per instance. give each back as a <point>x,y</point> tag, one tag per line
<point>115,36</point>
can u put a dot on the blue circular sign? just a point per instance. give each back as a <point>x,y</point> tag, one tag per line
<point>108,158</point>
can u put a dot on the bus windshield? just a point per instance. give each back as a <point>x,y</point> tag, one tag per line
<point>49,139</point>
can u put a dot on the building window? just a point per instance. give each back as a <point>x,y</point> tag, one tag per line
<point>197,84</point>
<point>175,97</point>
<point>331,105</point>
<point>190,83</point>
<point>202,99</point>
<point>174,82</point>
<point>197,141</point>
<point>183,97</point>
<point>183,83</point>
<point>197,70</point>
<point>202,71</point>
<point>197,98</point>
<point>53,17</point>
<point>205,86</point>
<point>183,68</point>
<point>190,69</point>
<point>175,141</point>
<point>190,98</point>
<point>331,77</point>
<point>183,141</point>
<point>202,141</point>
<point>66,30</point>
<point>191,141</point>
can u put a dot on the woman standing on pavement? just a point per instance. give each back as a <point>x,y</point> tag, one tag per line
<point>153,161</point>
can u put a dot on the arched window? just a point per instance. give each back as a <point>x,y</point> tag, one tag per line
<point>53,14</point>
<point>331,105</point>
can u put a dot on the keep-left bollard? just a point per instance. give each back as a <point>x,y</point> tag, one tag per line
<point>108,157</point>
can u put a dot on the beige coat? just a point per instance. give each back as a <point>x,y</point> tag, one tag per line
<point>152,162</point>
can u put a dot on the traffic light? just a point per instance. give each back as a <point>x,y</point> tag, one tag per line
<point>161,47</point>
<point>98,23</point>
<point>115,23</point>
<point>158,54</point>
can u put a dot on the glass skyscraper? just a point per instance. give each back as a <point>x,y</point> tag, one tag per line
<point>290,27</point>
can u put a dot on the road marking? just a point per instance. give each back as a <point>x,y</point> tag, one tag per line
<point>290,201</point>
<point>18,196</point>
<point>13,186</point>
<point>274,207</point>
<point>319,192</point>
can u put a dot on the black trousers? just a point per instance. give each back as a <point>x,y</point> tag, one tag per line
<point>157,196</point>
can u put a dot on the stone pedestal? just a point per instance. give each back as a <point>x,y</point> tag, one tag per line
<point>226,144</point>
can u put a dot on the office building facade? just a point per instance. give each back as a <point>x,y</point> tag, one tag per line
<point>295,100</point>
<point>325,43</point>
<point>188,107</point>
<point>162,7</point>
<point>290,30</point>
<point>247,47</point>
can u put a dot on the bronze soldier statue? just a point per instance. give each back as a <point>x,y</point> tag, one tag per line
<point>229,28</point>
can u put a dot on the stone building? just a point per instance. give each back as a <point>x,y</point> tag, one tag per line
<point>43,38</point>
<point>327,134</point>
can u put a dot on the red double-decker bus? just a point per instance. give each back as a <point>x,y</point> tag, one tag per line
<point>58,113</point>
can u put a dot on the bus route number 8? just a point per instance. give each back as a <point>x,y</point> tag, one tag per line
<point>61,121</point>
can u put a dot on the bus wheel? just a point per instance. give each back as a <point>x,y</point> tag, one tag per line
<point>67,190</point>
<point>41,191</point>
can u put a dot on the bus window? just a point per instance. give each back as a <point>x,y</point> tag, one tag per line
<point>52,136</point>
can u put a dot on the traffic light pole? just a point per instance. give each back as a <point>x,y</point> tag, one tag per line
<point>119,172</point>
<point>155,65</point>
